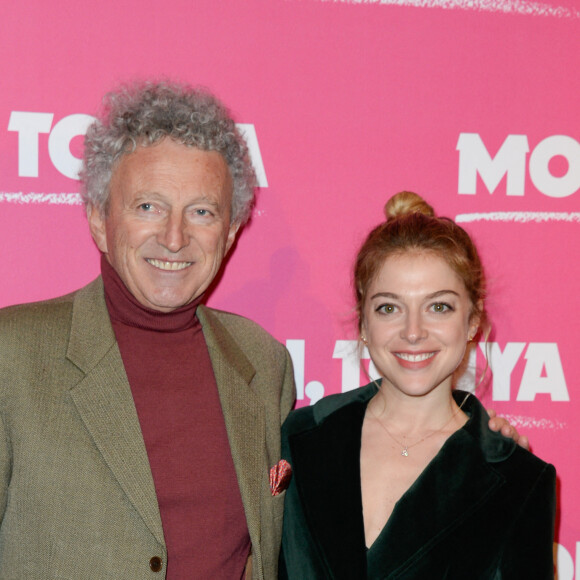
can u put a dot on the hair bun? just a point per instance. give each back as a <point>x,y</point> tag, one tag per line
<point>405,203</point>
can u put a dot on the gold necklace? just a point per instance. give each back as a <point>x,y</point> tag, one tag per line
<point>405,452</point>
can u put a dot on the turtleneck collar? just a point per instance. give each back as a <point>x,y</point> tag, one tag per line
<point>124,308</point>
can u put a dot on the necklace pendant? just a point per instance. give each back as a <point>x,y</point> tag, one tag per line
<point>405,453</point>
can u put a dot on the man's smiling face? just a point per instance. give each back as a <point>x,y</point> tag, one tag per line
<point>167,226</point>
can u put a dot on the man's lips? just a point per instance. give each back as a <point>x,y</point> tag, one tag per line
<point>168,265</point>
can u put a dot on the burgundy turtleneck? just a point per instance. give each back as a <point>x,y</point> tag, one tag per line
<point>175,393</point>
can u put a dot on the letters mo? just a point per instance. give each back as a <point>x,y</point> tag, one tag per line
<point>510,161</point>
<point>30,125</point>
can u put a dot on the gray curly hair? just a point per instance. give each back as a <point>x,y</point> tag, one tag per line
<point>142,114</point>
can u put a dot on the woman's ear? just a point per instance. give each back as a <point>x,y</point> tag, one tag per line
<point>474,320</point>
<point>363,329</point>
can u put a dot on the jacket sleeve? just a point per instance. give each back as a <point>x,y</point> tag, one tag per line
<point>288,395</point>
<point>529,553</point>
<point>299,559</point>
<point>5,467</point>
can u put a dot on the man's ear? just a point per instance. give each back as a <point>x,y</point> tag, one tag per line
<point>97,225</point>
<point>233,231</point>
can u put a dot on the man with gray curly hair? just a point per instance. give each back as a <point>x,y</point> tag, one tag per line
<point>141,427</point>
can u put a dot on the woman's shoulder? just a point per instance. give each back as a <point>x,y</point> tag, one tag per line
<point>308,417</point>
<point>501,452</point>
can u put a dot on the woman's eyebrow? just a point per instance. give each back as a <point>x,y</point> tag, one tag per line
<point>441,293</point>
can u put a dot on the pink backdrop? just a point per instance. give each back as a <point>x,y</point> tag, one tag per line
<point>473,103</point>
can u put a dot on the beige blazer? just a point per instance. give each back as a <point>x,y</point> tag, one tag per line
<point>77,499</point>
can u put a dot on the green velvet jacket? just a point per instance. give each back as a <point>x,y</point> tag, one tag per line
<point>482,509</point>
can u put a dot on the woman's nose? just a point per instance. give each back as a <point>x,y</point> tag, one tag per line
<point>414,329</point>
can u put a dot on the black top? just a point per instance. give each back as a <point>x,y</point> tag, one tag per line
<point>483,508</point>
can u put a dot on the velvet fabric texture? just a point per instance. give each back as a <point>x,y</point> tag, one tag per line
<point>482,509</point>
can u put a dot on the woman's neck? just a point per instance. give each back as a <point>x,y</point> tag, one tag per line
<point>415,415</point>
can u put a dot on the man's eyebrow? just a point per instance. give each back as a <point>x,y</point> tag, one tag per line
<point>204,199</point>
<point>153,195</point>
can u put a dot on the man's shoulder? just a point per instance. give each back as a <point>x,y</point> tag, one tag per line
<point>246,346</point>
<point>234,320</point>
<point>53,309</point>
<point>240,327</point>
<point>34,337</point>
<point>32,312</point>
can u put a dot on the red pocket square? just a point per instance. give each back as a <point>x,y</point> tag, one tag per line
<point>280,476</point>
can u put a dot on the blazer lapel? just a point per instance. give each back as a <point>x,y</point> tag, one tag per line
<point>454,485</point>
<point>105,403</point>
<point>327,459</point>
<point>244,417</point>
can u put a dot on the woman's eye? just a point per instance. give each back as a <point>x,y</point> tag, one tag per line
<point>386,308</point>
<point>441,307</point>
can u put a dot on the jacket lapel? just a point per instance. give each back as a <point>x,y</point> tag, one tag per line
<point>327,460</point>
<point>244,418</point>
<point>454,485</point>
<point>105,403</point>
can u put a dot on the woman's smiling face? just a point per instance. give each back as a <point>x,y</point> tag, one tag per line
<point>417,322</point>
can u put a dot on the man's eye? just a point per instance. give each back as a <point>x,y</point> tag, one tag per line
<point>146,206</point>
<point>203,212</point>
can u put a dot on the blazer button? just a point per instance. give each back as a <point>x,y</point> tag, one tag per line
<point>156,563</point>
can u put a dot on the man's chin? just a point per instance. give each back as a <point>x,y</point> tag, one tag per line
<point>166,303</point>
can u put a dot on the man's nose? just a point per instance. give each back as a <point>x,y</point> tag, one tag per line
<point>174,234</point>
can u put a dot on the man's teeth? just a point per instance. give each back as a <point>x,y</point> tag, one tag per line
<point>163,265</point>
<point>415,357</point>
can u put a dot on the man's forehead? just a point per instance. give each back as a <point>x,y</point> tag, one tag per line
<point>173,160</point>
<point>170,147</point>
